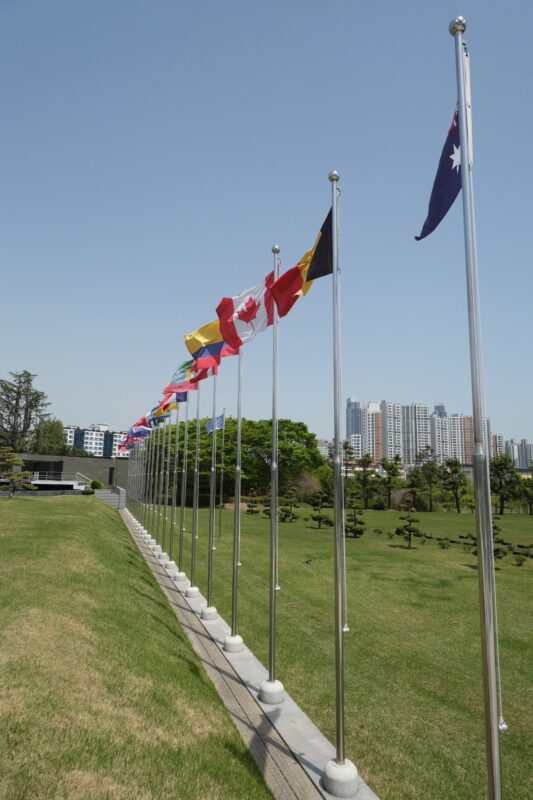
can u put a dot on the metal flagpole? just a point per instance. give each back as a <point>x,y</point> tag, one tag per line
<point>272,690</point>
<point>233,642</point>
<point>174,482</point>
<point>158,482</point>
<point>148,509</point>
<point>154,478</point>
<point>340,774</point>
<point>167,481</point>
<point>192,590</point>
<point>480,458</point>
<point>163,492</point>
<point>160,486</point>
<point>222,474</point>
<point>210,612</point>
<point>184,460</point>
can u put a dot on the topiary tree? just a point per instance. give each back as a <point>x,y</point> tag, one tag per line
<point>320,502</point>
<point>252,504</point>
<point>287,506</point>
<point>355,525</point>
<point>408,530</point>
<point>14,477</point>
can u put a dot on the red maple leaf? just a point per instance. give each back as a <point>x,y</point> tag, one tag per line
<point>249,312</point>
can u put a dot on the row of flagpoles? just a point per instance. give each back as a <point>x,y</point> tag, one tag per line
<point>239,319</point>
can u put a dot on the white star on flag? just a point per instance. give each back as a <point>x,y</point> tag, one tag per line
<point>456,157</point>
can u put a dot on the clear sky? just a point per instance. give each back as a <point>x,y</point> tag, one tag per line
<point>153,152</point>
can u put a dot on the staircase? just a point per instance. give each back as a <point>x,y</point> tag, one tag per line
<point>114,496</point>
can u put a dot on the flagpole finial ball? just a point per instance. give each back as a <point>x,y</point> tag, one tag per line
<point>275,249</point>
<point>457,25</point>
<point>334,176</point>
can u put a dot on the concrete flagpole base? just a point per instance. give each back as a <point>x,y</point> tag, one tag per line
<point>156,549</point>
<point>341,780</point>
<point>192,591</point>
<point>182,585</point>
<point>233,644</point>
<point>271,692</point>
<point>209,612</point>
<point>172,569</point>
<point>179,576</point>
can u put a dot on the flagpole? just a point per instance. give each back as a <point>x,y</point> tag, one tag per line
<point>181,574</point>
<point>148,523</point>
<point>158,482</point>
<point>222,473</point>
<point>340,774</point>
<point>272,690</point>
<point>174,487</point>
<point>233,642</point>
<point>480,458</point>
<point>163,490</point>
<point>154,478</point>
<point>210,612</point>
<point>193,590</point>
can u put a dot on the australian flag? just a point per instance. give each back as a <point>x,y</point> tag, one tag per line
<point>447,183</point>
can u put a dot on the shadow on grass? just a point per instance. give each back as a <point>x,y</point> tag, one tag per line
<point>149,597</point>
<point>401,547</point>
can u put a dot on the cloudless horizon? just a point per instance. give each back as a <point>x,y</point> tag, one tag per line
<point>152,154</point>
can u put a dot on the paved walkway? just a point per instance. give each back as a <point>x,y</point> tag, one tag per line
<point>288,748</point>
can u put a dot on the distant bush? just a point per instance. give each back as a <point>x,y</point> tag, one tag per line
<point>444,544</point>
<point>519,559</point>
<point>97,485</point>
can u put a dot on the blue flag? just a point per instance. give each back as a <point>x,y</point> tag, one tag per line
<point>219,424</point>
<point>447,183</point>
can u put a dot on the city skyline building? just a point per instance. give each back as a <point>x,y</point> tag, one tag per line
<point>391,429</point>
<point>97,439</point>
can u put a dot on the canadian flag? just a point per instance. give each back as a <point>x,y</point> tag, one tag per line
<point>249,313</point>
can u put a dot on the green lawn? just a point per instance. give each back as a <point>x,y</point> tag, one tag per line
<point>414,707</point>
<point>101,695</point>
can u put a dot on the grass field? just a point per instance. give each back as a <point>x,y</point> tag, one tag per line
<point>414,707</point>
<point>101,696</point>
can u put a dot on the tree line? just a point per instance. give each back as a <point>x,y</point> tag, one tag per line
<point>25,424</point>
<point>431,486</point>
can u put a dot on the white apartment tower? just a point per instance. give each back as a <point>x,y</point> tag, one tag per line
<point>416,430</point>
<point>440,437</point>
<point>372,431</point>
<point>391,424</point>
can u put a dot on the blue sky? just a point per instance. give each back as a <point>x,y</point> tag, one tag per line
<point>153,152</point>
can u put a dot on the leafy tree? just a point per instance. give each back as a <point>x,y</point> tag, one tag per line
<point>527,492</point>
<point>504,480</point>
<point>48,438</point>
<point>417,494</point>
<point>21,409</point>
<point>392,472</point>
<point>365,477</point>
<point>454,480</point>
<point>429,468</point>
<point>10,471</point>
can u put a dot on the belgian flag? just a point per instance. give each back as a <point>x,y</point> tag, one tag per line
<point>316,263</point>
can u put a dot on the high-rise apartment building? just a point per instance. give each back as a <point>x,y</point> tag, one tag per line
<point>372,431</point>
<point>97,440</point>
<point>391,435</point>
<point>497,448</point>
<point>353,417</point>
<point>416,431</point>
<point>440,436</point>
